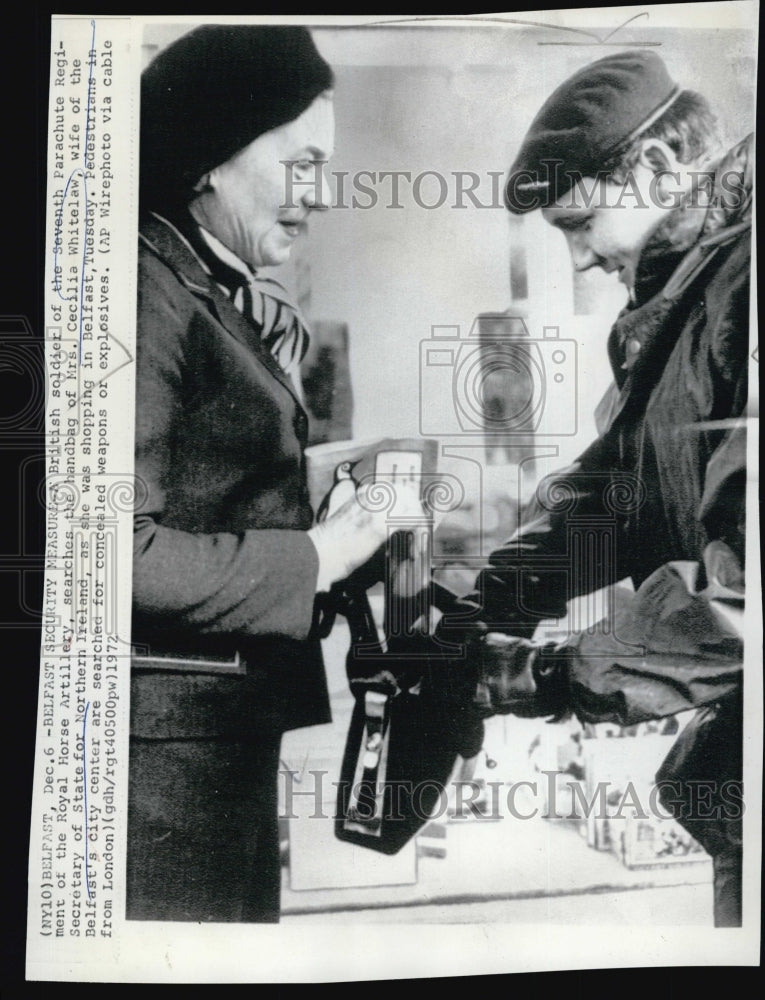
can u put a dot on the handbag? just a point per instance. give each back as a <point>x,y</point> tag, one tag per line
<point>410,719</point>
<point>400,752</point>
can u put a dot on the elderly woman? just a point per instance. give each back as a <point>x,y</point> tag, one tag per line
<point>235,122</point>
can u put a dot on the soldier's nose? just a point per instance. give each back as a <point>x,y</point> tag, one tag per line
<point>582,256</point>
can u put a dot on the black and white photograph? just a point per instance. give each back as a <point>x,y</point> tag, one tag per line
<point>401,428</point>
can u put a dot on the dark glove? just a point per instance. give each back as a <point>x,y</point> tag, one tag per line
<point>513,676</point>
<point>415,666</point>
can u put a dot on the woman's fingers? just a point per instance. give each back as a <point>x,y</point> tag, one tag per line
<point>350,537</point>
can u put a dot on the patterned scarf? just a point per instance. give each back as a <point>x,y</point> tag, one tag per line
<point>264,301</point>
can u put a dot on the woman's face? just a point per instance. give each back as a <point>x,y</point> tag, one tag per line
<point>254,202</point>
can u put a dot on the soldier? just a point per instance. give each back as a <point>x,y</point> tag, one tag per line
<point>629,167</point>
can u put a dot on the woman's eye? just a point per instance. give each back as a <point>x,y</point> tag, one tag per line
<point>302,166</point>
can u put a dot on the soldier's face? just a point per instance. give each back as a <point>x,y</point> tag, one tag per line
<point>608,224</point>
<point>255,203</point>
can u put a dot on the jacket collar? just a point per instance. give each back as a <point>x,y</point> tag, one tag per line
<point>642,338</point>
<point>721,197</point>
<point>678,254</point>
<point>167,242</point>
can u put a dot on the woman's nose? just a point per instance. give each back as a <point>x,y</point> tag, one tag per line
<point>316,196</point>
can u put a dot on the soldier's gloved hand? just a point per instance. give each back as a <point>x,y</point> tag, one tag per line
<point>514,676</point>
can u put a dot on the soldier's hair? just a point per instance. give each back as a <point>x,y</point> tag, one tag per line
<point>688,127</point>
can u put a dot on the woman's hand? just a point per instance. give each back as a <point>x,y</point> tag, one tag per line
<point>351,536</point>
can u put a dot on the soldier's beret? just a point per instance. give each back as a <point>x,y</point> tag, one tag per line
<point>585,122</point>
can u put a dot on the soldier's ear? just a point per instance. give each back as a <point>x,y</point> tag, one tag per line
<point>657,156</point>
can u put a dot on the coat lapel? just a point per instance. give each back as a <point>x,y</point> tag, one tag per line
<point>164,240</point>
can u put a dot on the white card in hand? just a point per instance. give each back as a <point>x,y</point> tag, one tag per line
<point>398,465</point>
